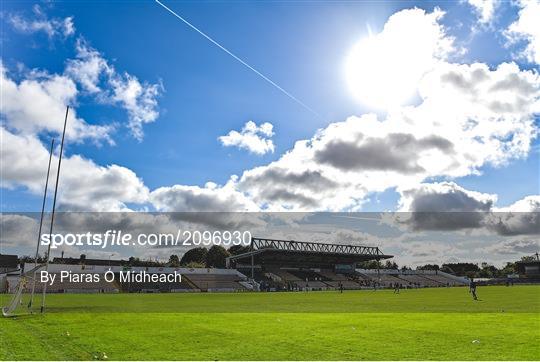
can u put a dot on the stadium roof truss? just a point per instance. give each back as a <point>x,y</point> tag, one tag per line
<point>261,244</point>
<point>305,254</point>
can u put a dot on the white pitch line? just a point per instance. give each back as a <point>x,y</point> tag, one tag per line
<point>238,59</point>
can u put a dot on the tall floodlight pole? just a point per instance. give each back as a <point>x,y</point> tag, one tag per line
<point>54,207</point>
<point>41,225</point>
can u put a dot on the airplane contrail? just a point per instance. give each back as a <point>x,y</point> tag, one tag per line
<point>238,59</point>
<point>359,218</point>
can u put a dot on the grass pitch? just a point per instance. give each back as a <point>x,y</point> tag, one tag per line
<point>439,323</point>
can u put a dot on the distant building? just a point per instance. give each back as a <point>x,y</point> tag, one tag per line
<point>8,263</point>
<point>530,269</point>
<point>85,261</point>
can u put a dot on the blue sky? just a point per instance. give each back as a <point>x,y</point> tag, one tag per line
<point>420,106</point>
<point>205,93</point>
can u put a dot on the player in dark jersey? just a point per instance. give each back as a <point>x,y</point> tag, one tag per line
<point>472,289</point>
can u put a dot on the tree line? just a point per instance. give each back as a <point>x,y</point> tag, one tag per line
<point>471,270</point>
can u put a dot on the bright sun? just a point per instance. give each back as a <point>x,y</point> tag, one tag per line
<point>378,77</point>
<point>383,70</point>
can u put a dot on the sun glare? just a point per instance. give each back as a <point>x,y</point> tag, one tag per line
<point>383,70</point>
<point>376,77</point>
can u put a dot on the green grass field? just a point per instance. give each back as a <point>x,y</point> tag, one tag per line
<point>439,323</point>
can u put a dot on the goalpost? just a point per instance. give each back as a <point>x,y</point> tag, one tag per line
<point>15,300</point>
<point>41,225</point>
<point>8,310</point>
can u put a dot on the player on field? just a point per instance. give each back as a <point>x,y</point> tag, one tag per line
<point>472,289</point>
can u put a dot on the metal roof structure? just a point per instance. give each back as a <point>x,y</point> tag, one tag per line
<point>304,254</point>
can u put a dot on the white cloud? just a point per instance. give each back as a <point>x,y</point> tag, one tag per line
<point>138,99</point>
<point>514,246</point>
<point>383,70</point>
<point>448,206</point>
<point>527,29</point>
<point>38,104</point>
<point>201,199</point>
<point>69,26</point>
<point>96,76</point>
<point>24,161</point>
<point>101,188</point>
<point>485,9</point>
<point>41,23</point>
<point>91,72</point>
<point>255,139</point>
<point>444,197</point>
<point>442,206</point>
<point>87,67</point>
<point>527,204</point>
<point>279,186</point>
<point>417,252</point>
<point>520,218</point>
<point>482,110</point>
<point>18,230</point>
<point>35,105</point>
<point>83,184</point>
<point>470,116</point>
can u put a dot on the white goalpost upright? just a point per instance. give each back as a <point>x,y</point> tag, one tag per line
<point>54,207</point>
<point>8,310</point>
<point>41,225</point>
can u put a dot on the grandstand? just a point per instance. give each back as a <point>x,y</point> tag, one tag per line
<point>151,287</point>
<point>412,278</point>
<point>292,265</point>
<point>270,278</point>
<point>386,280</point>
<point>212,282</point>
<point>300,279</point>
<point>334,280</point>
<point>418,280</point>
<point>193,280</point>
<point>272,265</point>
<point>284,275</point>
<point>100,286</point>
<point>441,279</point>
